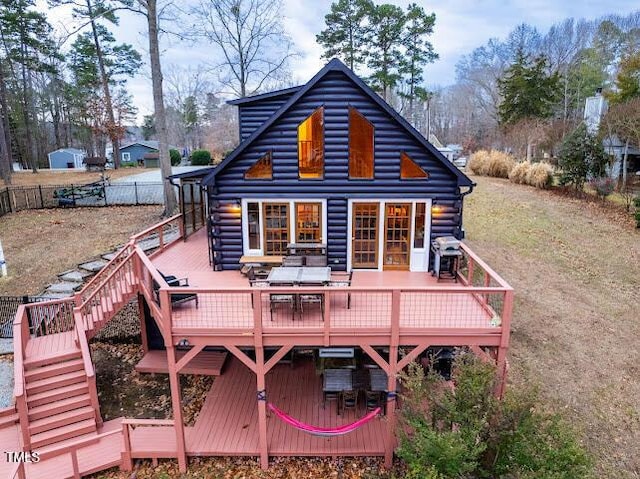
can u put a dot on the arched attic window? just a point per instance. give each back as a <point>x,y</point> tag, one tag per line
<point>409,169</point>
<point>311,146</point>
<point>261,169</point>
<point>360,146</point>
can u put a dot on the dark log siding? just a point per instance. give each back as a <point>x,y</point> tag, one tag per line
<point>336,92</point>
<point>254,114</point>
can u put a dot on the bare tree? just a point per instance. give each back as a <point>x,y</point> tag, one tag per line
<point>153,12</point>
<point>251,37</point>
<point>623,120</point>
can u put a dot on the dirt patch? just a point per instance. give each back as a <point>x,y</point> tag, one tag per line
<point>39,244</point>
<point>576,272</point>
<point>47,177</point>
<point>123,392</point>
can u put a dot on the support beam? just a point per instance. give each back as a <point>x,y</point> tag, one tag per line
<point>478,351</point>
<point>376,357</point>
<point>242,357</point>
<point>189,355</point>
<point>262,408</point>
<point>143,324</point>
<point>277,357</point>
<point>411,355</point>
<point>176,404</point>
<point>391,407</point>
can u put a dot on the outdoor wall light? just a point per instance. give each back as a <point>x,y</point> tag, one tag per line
<point>183,343</point>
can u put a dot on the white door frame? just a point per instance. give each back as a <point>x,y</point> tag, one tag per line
<point>418,257</point>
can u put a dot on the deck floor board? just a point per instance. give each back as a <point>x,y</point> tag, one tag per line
<point>207,363</point>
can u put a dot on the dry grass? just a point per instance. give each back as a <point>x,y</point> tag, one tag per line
<point>64,177</point>
<point>491,163</point>
<point>575,327</point>
<point>539,175</point>
<point>39,244</point>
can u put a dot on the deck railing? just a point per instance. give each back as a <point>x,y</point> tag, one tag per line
<point>127,425</point>
<point>20,340</point>
<point>50,317</point>
<point>155,239</point>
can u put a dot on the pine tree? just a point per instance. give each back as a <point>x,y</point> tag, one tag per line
<point>346,34</point>
<point>418,53</point>
<point>385,54</point>
<point>527,90</point>
<point>627,85</point>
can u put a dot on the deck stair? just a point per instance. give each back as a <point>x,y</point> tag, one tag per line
<point>58,400</point>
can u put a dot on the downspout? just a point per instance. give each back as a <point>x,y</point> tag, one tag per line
<point>462,195</point>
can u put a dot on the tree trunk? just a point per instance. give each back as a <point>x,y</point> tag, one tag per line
<point>26,106</point>
<point>170,203</point>
<point>625,160</point>
<point>112,127</point>
<point>529,150</point>
<point>5,139</point>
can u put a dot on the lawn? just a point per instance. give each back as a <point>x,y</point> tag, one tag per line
<point>65,177</point>
<point>39,244</point>
<point>576,272</point>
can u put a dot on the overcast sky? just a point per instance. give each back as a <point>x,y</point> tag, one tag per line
<point>461,26</point>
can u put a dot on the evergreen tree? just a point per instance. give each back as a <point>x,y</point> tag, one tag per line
<point>148,127</point>
<point>418,53</point>
<point>582,156</point>
<point>527,90</point>
<point>627,85</point>
<point>345,36</point>
<point>385,53</point>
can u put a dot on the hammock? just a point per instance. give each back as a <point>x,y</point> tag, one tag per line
<point>323,431</point>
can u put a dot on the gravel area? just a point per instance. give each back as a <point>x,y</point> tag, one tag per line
<point>6,383</point>
<point>6,345</point>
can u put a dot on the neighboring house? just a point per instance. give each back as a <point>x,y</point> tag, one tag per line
<point>333,169</point>
<point>447,152</point>
<point>595,108</point>
<point>65,158</point>
<point>144,153</point>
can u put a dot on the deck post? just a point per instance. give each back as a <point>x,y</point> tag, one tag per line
<point>391,378</point>
<point>143,323</point>
<point>501,361</point>
<point>178,422</point>
<point>260,380</point>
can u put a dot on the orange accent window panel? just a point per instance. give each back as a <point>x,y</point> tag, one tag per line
<point>360,146</point>
<point>311,146</point>
<point>308,222</point>
<point>409,169</point>
<point>276,228</point>
<point>261,169</point>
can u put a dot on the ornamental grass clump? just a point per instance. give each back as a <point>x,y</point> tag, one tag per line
<point>519,173</point>
<point>539,175</point>
<point>603,186</point>
<point>466,432</point>
<point>491,163</point>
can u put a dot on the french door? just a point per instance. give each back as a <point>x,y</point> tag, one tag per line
<point>397,239</point>
<point>365,235</point>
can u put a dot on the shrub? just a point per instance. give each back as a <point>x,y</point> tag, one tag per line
<point>519,172</point>
<point>636,203</point>
<point>175,156</point>
<point>603,186</point>
<point>200,158</point>
<point>470,433</point>
<point>540,175</point>
<point>581,156</point>
<point>491,163</point>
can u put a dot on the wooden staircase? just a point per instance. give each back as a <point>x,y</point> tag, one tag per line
<point>59,405</point>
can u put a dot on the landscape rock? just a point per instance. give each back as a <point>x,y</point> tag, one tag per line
<point>64,287</point>
<point>74,276</point>
<point>93,266</point>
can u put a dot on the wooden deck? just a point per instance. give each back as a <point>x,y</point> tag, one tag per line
<point>228,424</point>
<point>206,363</point>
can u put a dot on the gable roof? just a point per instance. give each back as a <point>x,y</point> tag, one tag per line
<point>337,65</point>
<point>74,151</point>
<point>153,144</point>
<point>264,96</point>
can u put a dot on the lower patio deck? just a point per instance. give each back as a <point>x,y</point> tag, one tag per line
<point>228,422</point>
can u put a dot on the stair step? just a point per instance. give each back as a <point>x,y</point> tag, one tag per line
<point>8,420</point>
<point>53,370</point>
<point>60,434</point>
<point>54,357</point>
<point>63,405</point>
<point>47,384</point>
<point>61,419</point>
<point>65,392</point>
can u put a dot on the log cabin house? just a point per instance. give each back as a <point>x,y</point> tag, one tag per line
<point>329,174</point>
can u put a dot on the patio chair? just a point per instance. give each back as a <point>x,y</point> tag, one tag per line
<point>316,260</point>
<point>276,299</point>
<point>342,279</point>
<point>372,400</point>
<point>312,298</point>
<point>255,282</point>
<point>174,282</point>
<point>293,261</point>
<point>349,400</point>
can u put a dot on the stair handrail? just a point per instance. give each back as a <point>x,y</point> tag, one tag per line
<point>89,370</point>
<point>136,237</point>
<point>20,340</point>
<point>126,249</point>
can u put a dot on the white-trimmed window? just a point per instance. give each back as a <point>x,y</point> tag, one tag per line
<point>126,156</point>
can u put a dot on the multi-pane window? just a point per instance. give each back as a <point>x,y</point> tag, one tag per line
<point>418,233</point>
<point>253,217</point>
<point>311,146</point>
<point>360,146</point>
<point>409,169</point>
<point>261,169</point>
<point>308,222</point>
<point>365,235</point>
<point>276,228</point>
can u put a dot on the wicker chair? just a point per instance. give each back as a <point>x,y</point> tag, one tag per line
<point>293,261</point>
<point>349,400</point>
<point>276,299</point>
<point>342,279</point>
<point>312,298</point>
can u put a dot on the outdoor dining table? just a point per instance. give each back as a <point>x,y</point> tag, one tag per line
<point>337,380</point>
<point>300,275</point>
<point>378,380</point>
